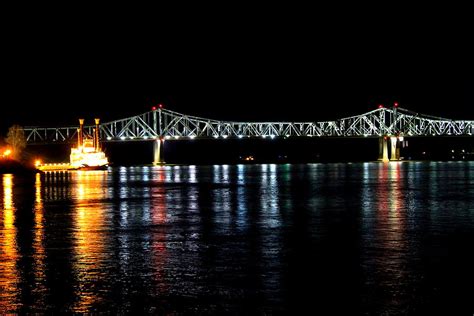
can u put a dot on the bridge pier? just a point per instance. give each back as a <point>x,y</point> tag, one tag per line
<point>393,148</point>
<point>157,154</point>
<point>383,149</point>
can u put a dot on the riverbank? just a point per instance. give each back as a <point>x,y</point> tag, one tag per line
<point>15,167</point>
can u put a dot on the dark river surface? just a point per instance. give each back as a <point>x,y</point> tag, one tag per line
<point>368,238</point>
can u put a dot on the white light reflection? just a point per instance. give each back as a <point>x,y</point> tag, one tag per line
<point>177,174</point>
<point>146,173</point>
<point>240,174</point>
<point>269,195</point>
<point>192,174</point>
<point>216,174</point>
<point>225,173</point>
<point>222,198</point>
<point>124,193</point>
<point>242,213</point>
<point>168,172</point>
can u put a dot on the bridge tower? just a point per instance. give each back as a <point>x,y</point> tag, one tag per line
<point>159,141</point>
<point>391,133</point>
<point>394,140</point>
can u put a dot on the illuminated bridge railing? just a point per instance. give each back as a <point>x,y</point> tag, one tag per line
<point>169,124</point>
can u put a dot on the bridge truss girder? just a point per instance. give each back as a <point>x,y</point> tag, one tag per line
<point>169,124</point>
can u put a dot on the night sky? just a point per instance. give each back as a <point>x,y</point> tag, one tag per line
<point>231,63</point>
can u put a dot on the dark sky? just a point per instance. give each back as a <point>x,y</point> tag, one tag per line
<point>233,63</point>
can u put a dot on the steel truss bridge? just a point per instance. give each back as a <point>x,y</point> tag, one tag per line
<point>166,124</point>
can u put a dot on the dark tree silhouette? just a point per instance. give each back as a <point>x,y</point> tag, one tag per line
<point>17,140</point>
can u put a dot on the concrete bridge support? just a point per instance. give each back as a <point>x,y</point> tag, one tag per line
<point>157,151</point>
<point>393,148</point>
<point>383,149</point>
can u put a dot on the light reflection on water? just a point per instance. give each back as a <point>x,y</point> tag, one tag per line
<point>383,238</point>
<point>91,237</point>
<point>9,253</point>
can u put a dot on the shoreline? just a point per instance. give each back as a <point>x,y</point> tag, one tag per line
<point>10,166</point>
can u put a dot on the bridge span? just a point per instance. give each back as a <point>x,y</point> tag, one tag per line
<point>388,124</point>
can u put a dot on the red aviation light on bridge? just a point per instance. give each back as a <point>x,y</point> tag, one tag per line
<point>160,106</point>
<point>153,108</point>
<point>395,104</point>
<point>380,106</point>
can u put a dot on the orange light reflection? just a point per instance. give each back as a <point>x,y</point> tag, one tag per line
<point>9,299</point>
<point>89,191</point>
<point>38,242</point>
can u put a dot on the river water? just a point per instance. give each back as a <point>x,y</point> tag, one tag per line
<point>366,238</point>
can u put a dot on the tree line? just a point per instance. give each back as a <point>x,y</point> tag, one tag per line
<point>16,142</point>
